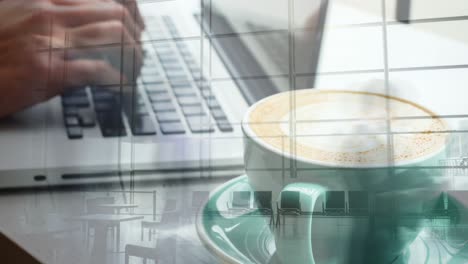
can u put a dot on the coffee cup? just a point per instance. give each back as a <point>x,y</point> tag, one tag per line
<point>379,150</point>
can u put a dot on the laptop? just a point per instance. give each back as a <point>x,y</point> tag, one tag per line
<point>203,66</point>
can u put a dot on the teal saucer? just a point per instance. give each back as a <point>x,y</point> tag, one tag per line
<point>247,237</point>
<point>243,237</point>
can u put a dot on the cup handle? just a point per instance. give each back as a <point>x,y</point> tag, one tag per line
<point>294,245</point>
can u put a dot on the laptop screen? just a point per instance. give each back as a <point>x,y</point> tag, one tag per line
<point>266,44</point>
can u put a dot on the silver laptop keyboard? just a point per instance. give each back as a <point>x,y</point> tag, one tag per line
<point>171,95</point>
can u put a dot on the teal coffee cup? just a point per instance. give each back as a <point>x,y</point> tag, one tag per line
<point>352,174</point>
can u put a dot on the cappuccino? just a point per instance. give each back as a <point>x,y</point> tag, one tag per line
<point>346,128</point>
<point>313,141</point>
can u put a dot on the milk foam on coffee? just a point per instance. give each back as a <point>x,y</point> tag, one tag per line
<point>347,128</point>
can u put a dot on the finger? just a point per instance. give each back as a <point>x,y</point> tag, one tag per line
<point>83,72</point>
<point>32,22</point>
<point>122,61</point>
<point>42,43</point>
<point>131,5</point>
<point>75,2</point>
<point>100,33</point>
<point>104,39</point>
<point>87,13</point>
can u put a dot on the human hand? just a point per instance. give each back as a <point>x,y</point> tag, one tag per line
<point>47,46</point>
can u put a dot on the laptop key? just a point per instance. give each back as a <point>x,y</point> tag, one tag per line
<point>225,127</point>
<point>163,106</point>
<point>163,117</point>
<point>179,78</point>
<point>87,118</point>
<point>140,100</point>
<point>70,111</point>
<point>71,121</point>
<point>111,124</point>
<point>186,54</point>
<point>175,73</point>
<point>204,86</point>
<point>191,62</point>
<point>164,49</point>
<point>200,124</point>
<point>182,76</point>
<point>184,92</point>
<point>193,110</point>
<point>184,49</point>
<point>188,100</point>
<point>87,121</point>
<point>212,103</point>
<point>180,83</point>
<point>74,132</point>
<point>137,110</point>
<point>169,55</point>
<point>172,128</point>
<point>197,75</point>
<point>172,67</point>
<point>218,114</point>
<point>142,125</point>
<point>149,71</point>
<point>153,78</point>
<point>150,61</point>
<point>113,132</point>
<point>104,106</point>
<point>159,97</point>
<point>103,96</point>
<point>192,65</point>
<point>81,101</point>
<point>169,60</point>
<point>155,88</point>
<point>207,94</point>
